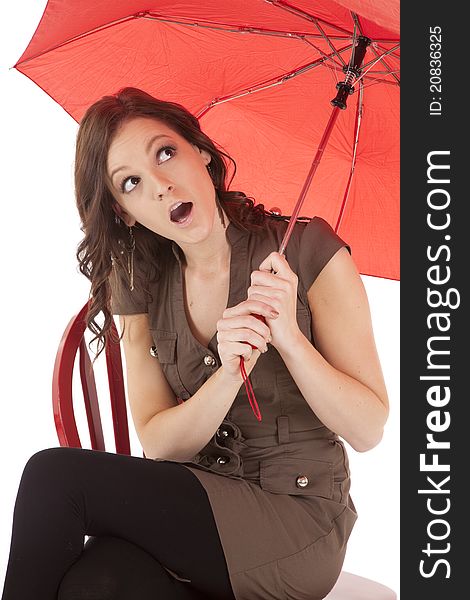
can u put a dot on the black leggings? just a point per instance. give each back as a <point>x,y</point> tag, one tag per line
<point>139,514</point>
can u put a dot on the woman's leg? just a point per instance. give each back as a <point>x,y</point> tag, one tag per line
<point>111,568</point>
<point>67,493</point>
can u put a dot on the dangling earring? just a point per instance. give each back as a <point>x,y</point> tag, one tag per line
<point>130,258</point>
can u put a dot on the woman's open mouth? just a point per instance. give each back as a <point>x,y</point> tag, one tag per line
<point>181,213</point>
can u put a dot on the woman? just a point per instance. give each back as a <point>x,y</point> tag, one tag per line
<point>229,501</point>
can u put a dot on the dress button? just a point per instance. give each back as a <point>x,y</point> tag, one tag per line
<point>222,460</point>
<point>153,351</point>
<point>301,481</point>
<point>222,433</point>
<point>209,360</point>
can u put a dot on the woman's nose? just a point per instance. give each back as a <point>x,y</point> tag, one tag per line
<point>161,187</point>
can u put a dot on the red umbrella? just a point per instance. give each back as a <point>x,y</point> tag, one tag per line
<point>260,75</point>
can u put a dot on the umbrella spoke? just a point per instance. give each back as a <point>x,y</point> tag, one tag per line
<point>335,66</point>
<point>233,28</point>
<point>307,16</point>
<point>259,87</point>
<point>375,81</point>
<point>359,112</point>
<point>79,37</point>
<point>316,22</point>
<point>357,23</point>
<point>328,41</point>
<point>367,67</point>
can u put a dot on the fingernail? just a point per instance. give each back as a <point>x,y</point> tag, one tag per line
<point>274,314</point>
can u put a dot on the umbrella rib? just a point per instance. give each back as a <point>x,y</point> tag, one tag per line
<point>78,37</point>
<point>328,57</point>
<point>238,29</point>
<point>356,21</point>
<point>232,28</point>
<point>300,13</point>
<point>375,81</point>
<point>305,15</point>
<point>259,87</point>
<point>359,112</point>
<point>378,44</point>
<point>380,59</point>
<point>382,73</point>
<point>388,52</point>
<point>328,41</point>
<point>166,19</point>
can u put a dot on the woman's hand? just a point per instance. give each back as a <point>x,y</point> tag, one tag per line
<point>238,330</point>
<point>279,290</point>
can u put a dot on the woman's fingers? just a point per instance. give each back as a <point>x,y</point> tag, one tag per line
<point>243,335</point>
<point>237,349</point>
<point>245,322</point>
<point>263,294</point>
<point>251,307</point>
<point>277,263</point>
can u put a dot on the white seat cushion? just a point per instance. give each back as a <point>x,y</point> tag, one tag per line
<point>353,587</point>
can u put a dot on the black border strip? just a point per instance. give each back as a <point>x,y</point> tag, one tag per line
<point>435,269</point>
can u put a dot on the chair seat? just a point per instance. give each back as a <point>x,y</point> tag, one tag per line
<point>354,587</point>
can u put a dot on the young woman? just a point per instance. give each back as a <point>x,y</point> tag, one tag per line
<point>229,502</point>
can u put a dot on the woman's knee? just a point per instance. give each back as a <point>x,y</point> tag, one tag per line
<point>49,468</point>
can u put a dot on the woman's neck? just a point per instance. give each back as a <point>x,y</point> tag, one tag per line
<point>213,256</point>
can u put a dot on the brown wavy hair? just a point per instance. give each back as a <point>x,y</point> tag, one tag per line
<point>102,253</point>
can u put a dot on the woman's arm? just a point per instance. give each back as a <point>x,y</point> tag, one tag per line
<point>169,430</point>
<point>341,379</point>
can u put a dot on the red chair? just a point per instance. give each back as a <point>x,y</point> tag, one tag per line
<point>348,586</point>
<point>72,342</point>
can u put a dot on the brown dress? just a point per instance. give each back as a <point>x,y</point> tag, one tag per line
<point>279,488</point>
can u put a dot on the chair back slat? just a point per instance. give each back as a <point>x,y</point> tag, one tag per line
<point>117,393</point>
<point>90,398</point>
<point>62,396</point>
<point>62,402</point>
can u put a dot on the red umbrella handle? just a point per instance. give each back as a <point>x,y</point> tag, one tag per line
<point>339,103</point>
<point>249,389</point>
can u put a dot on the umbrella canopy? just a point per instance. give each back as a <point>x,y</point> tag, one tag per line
<point>260,75</point>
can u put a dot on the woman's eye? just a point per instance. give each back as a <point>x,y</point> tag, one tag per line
<point>164,150</point>
<point>129,184</point>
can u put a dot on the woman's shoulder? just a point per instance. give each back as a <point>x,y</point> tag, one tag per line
<point>307,234</point>
<point>313,242</point>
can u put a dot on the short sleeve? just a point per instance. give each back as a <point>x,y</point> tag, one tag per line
<point>125,301</point>
<point>318,244</point>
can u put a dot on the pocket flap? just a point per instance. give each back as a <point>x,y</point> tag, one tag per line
<point>297,476</point>
<point>165,342</point>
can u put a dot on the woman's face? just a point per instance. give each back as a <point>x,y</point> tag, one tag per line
<point>160,180</point>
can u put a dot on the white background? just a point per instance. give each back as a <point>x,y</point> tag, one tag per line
<point>41,290</point>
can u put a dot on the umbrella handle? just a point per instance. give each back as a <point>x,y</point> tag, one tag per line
<point>263,320</point>
<point>249,389</point>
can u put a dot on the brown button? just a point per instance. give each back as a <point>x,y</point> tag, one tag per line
<point>301,481</point>
<point>209,360</point>
<point>222,433</point>
<point>222,460</point>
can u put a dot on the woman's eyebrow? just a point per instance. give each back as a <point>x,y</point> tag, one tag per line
<point>153,139</point>
<point>148,146</point>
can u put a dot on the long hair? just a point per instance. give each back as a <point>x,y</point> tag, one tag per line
<point>103,249</point>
